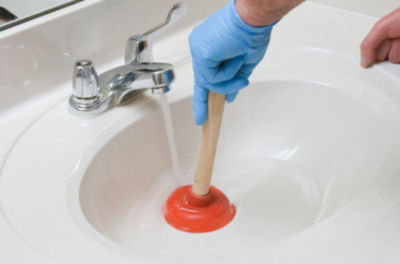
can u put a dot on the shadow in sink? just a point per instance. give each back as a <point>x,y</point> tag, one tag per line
<point>291,154</point>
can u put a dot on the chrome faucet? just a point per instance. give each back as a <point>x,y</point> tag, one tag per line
<point>94,94</point>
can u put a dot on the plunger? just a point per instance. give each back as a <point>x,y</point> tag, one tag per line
<point>200,208</point>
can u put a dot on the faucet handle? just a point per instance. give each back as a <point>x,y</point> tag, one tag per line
<point>86,92</point>
<point>176,12</point>
<point>139,47</point>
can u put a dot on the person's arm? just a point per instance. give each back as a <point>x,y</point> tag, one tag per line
<point>383,41</point>
<point>264,12</point>
<point>228,46</point>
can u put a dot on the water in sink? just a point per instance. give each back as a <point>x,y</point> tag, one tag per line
<point>277,199</point>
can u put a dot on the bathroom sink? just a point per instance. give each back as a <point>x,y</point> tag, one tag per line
<point>308,154</point>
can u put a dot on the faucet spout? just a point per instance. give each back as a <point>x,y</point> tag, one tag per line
<point>126,80</point>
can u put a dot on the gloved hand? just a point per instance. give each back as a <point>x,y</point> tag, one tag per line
<point>225,51</point>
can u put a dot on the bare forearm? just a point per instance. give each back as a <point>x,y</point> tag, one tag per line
<point>264,12</point>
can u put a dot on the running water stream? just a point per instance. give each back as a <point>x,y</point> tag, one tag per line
<point>166,111</point>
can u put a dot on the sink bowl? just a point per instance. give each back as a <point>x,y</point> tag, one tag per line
<point>308,154</point>
<point>290,154</point>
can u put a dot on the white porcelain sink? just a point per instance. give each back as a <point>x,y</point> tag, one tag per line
<point>308,154</point>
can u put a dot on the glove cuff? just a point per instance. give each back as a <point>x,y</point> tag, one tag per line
<point>238,21</point>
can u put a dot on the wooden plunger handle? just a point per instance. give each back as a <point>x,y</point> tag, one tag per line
<point>208,145</point>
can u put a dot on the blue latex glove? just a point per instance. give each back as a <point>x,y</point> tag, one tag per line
<point>225,51</point>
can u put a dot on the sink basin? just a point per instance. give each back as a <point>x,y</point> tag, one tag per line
<point>291,154</point>
<point>288,157</point>
<point>308,154</point>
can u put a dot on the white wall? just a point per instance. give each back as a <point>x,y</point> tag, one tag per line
<point>377,8</point>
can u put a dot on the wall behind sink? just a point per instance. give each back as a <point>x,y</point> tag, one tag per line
<point>377,8</point>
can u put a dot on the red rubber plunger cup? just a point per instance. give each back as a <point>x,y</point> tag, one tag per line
<point>202,208</point>
<point>190,212</point>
